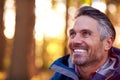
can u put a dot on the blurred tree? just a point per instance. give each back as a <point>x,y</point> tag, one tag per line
<point>2,37</point>
<point>23,41</point>
<point>75,3</point>
<point>66,27</point>
<point>86,2</point>
<point>114,16</point>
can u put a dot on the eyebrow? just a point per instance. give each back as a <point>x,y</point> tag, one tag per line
<point>86,30</point>
<point>71,30</point>
<point>80,30</point>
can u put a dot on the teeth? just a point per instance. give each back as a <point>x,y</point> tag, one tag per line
<point>80,51</point>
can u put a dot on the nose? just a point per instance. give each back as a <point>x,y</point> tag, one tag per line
<point>77,39</point>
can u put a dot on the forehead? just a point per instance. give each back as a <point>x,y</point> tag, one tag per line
<point>85,22</point>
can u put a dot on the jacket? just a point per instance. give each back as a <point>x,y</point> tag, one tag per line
<point>64,69</point>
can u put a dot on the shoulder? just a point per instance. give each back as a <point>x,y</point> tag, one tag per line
<point>58,76</point>
<point>62,60</point>
<point>115,50</point>
<point>61,68</point>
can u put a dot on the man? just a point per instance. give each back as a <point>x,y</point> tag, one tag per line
<point>92,56</point>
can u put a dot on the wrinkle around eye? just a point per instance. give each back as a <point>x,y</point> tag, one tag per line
<point>72,34</point>
<point>85,33</point>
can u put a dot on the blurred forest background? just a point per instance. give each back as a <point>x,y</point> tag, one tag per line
<point>33,33</point>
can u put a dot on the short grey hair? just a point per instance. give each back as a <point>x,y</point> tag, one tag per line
<point>105,27</point>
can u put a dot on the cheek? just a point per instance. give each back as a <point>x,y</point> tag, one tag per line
<point>97,50</point>
<point>69,44</point>
<point>95,43</point>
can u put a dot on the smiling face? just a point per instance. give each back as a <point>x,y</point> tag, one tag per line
<point>84,43</point>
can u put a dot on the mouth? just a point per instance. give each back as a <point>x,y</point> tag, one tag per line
<point>80,51</point>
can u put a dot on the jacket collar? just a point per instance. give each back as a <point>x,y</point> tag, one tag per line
<point>66,68</point>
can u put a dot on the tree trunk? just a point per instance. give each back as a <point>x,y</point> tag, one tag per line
<point>2,37</point>
<point>23,40</point>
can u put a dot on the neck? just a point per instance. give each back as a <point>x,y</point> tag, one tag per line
<point>89,70</point>
<point>85,72</point>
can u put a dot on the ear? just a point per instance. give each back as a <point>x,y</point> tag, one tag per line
<point>108,43</point>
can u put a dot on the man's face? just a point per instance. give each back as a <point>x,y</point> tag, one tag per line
<point>84,43</point>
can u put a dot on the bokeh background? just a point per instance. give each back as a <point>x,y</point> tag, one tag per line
<point>33,33</point>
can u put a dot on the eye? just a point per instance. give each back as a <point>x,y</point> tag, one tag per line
<point>72,34</point>
<point>86,33</point>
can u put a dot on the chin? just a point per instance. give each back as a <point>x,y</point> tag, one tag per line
<point>78,61</point>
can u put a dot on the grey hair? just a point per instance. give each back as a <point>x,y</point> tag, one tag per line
<point>105,27</point>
